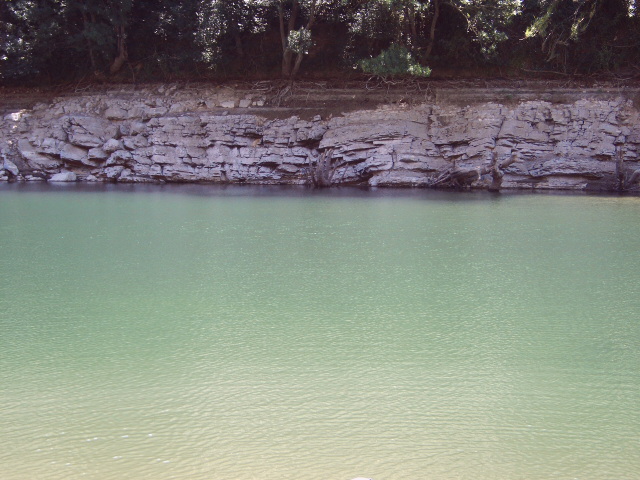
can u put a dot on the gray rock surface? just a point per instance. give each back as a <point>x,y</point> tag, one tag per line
<point>225,135</point>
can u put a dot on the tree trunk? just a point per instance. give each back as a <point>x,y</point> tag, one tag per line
<point>300,55</point>
<point>122,50</point>
<point>283,34</point>
<point>287,53</point>
<point>496,171</point>
<point>624,182</point>
<point>414,28</point>
<point>432,30</point>
<point>92,56</point>
<point>296,65</point>
<point>286,62</point>
<point>312,15</point>
<point>635,176</point>
<point>620,170</point>
<point>238,40</point>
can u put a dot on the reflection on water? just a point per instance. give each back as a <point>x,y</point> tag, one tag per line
<point>231,334</point>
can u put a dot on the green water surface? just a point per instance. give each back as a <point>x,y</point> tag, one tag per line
<point>236,334</point>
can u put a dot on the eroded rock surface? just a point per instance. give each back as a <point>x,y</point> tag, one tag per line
<point>223,135</point>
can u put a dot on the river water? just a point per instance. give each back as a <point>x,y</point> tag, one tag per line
<point>278,334</point>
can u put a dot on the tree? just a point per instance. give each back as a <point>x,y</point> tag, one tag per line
<point>31,34</point>
<point>66,38</point>
<point>219,20</point>
<point>379,23</point>
<point>105,30</point>
<point>588,34</point>
<point>53,40</point>
<point>487,20</point>
<point>413,23</point>
<point>295,41</point>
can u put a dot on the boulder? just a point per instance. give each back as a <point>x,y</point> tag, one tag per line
<point>64,177</point>
<point>112,145</point>
<point>115,112</point>
<point>135,142</point>
<point>34,178</point>
<point>73,154</point>
<point>97,154</point>
<point>113,172</point>
<point>11,167</point>
<point>36,159</point>
<point>87,131</point>
<point>119,157</point>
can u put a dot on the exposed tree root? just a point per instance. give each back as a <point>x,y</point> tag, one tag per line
<point>322,170</point>
<point>457,177</point>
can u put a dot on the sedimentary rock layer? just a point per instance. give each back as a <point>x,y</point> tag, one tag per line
<point>582,141</point>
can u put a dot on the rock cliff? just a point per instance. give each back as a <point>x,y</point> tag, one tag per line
<point>554,140</point>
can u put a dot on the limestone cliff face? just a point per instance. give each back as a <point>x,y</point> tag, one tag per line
<point>583,141</point>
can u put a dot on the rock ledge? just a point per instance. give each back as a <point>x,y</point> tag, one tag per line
<point>573,140</point>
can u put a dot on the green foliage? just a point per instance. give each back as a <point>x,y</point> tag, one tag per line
<point>299,41</point>
<point>394,61</point>
<point>488,21</point>
<point>377,20</point>
<point>29,33</point>
<point>222,22</point>
<point>418,24</point>
<point>586,34</point>
<point>54,40</point>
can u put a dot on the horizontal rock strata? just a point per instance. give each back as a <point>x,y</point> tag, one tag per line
<point>223,135</point>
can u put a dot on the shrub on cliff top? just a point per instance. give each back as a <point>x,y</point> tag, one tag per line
<point>392,62</point>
